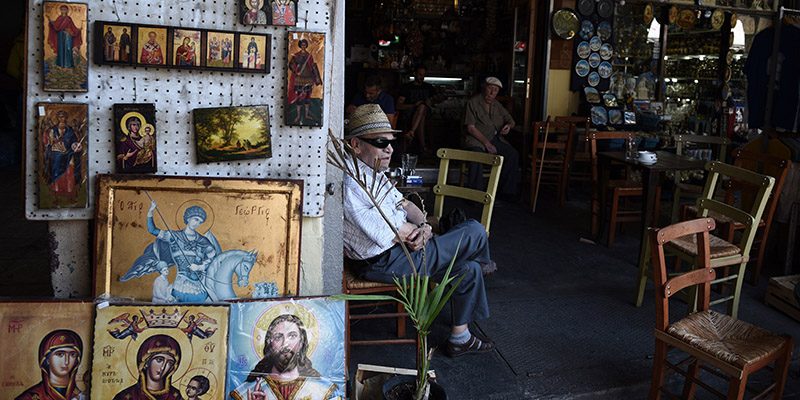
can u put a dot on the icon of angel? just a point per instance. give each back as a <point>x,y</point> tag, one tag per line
<point>131,328</point>
<point>194,326</point>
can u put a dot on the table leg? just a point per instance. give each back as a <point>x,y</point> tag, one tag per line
<point>599,195</point>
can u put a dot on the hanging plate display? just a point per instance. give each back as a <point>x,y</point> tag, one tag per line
<point>586,7</point>
<point>734,19</point>
<point>565,23</point>
<point>594,60</point>
<point>605,8</point>
<point>606,51</point>
<point>582,68</point>
<point>609,100</point>
<point>592,96</point>
<point>584,50</point>
<point>605,69</point>
<point>594,78</point>
<point>595,43</point>
<point>604,30</point>
<point>687,18</point>
<point>726,90</point>
<point>673,14</point>
<point>717,18</point>
<point>614,117</point>
<point>727,73</point>
<point>587,30</point>
<point>599,116</point>
<point>648,14</point>
<point>729,57</point>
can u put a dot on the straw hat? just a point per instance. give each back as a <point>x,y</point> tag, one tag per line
<point>367,119</point>
<point>494,81</point>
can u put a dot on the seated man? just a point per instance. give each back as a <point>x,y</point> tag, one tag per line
<point>372,95</point>
<point>368,237</point>
<point>487,121</point>
<point>417,97</point>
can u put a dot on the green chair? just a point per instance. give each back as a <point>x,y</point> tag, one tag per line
<point>719,150</point>
<point>442,189</point>
<point>723,253</point>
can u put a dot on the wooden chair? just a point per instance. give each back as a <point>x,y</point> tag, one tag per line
<point>772,166</point>
<point>551,155</point>
<point>735,349</point>
<point>442,189</point>
<point>352,284</point>
<point>620,189</point>
<point>719,150</point>
<point>723,253</point>
<point>581,167</point>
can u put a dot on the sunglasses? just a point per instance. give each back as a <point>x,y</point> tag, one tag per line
<point>380,143</point>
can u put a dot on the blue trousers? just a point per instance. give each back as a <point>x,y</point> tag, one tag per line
<point>469,298</point>
<point>509,174</point>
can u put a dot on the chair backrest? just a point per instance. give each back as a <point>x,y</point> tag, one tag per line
<point>701,276</point>
<point>747,217</point>
<point>553,138</point>
<point>718,143</point>
<point>443,189</point>
<point>605,135</point>
<point>582,125</point>
<point>773,166</point>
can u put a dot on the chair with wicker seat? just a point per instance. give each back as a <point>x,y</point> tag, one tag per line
<point>735,349</point>
<point>620,189</point>
<point>580,169</point>
<point>719,149</point>
<point>352,284</point>
<point>723,253</point>
<point>772,166</point>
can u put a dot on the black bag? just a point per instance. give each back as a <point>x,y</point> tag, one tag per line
<point>455,217</point>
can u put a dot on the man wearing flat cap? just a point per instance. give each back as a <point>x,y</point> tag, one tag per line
<point>487,123</point>
<point>369,238</point>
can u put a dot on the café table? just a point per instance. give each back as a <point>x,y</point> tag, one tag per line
<point>650,179</point>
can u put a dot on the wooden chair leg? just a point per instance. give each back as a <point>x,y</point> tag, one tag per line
<point>755,274</point>
<point>690,384</point>
<point>641,275</point>
<point>657,380</point>
<point>733,304</point>
<point>736,390</point>
<point>781,369</point>
<point>612,220</point>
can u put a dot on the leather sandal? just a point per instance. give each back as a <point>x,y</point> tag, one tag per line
<point>472,346</point>
<point>488,269</point>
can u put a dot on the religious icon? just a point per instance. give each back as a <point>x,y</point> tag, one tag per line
<point>186,45</point>
<point>304,89</point>
<point>219,49</point>
<point>114,44</point>
<point>135,128</point>
<point>152,352</point>
<point>151,45</point>
<point>274,342</point>
<point>232,133</point>
<point>253,12</point>
<point>62,155</point>
<point>65,56</point>
<point>185,240</point>
<point>46,347</point>
<point>283,12</point>
<point>254,52</point>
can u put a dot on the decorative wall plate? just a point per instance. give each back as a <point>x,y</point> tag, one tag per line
<point>594,60</point>
<point>727,74</point>
<point>687,18</point>
<point>734,19</point>
<point>586,7</point>
<point>614,117</point>
<point>648,14</point>
<point>592,96</point>
<point>610,100</point>
<point>726,91</point>
<point>594,78</point>
<point>673,14</point>
<point>605,8</point>
<point>717,18</point>
<point>584,50</point>
<point>729,57</point>
<point>604,30</point>
<point>599,116</point>
<point>582,68</point>
<point>606,51</point>
<point>605,69</point>
<point>587,30</point>
<point>595,43</point>
<point>565,23</point>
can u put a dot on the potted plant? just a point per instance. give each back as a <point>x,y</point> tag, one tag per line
<point>421,301</point>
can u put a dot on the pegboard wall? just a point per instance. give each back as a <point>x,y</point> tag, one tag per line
<point>297,152</point>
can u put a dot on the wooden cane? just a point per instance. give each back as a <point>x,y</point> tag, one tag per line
<point>541,163</point>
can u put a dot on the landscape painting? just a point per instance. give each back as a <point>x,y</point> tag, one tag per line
<point>135,127</point>
<point>45,344</point>
<point>232,133</point>
<point>172,240</point>
<point>158,352</point>
<point>304,88</point>
<point>62,154</point>
<point>65,55</point>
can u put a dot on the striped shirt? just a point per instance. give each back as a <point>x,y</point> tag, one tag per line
<point>366,234</point>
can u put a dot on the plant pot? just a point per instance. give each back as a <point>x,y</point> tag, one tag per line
<point>401,387</point>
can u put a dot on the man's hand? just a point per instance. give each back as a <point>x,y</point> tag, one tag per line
<point>257,393</point>
<point>506,129</point>
<point>349,109</point>
<point>153,206</point>
<point>419,237</point>
<point>77,147</point>
<point>490,148</point>
<point>164,235</point>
